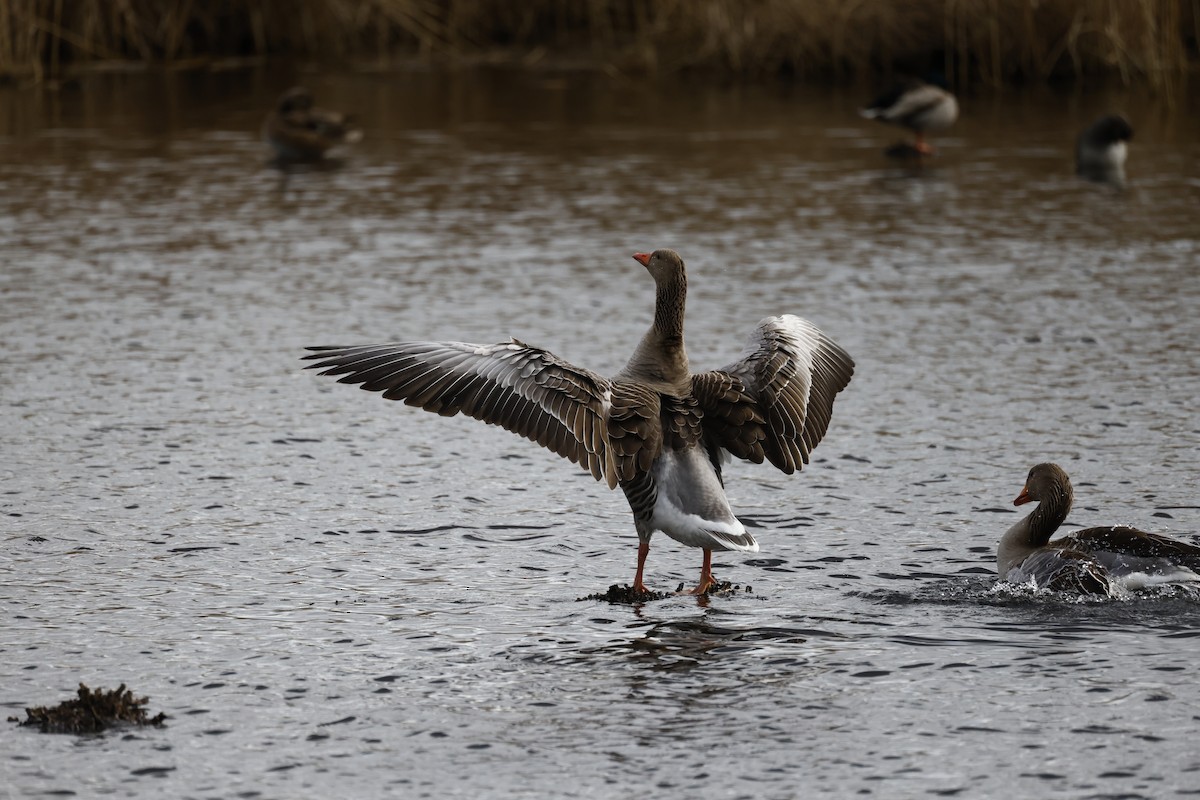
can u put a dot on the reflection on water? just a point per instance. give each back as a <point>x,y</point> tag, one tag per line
<point>333,595</point>
<point>683,646</point>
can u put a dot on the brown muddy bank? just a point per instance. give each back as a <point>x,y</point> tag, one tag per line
<point>970,41</point>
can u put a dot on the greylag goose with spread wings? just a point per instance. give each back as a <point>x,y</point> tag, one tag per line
<point>1093,560</point>
<point>656,429</point>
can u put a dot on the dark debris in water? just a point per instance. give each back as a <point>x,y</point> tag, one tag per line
<point>91,711</point>
<point>627,595</point>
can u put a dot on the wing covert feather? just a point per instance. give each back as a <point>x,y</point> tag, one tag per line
<point>775,402</point>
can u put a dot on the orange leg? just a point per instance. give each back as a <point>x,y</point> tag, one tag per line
<point>643,551</point>
<point>707,581</point>
<point>923,147</point>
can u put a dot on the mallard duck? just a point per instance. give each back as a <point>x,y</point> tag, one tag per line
<point>298,131</point>
<point>1101,148</point>
<point>1094,560</point>
<point>919,106</point>
<point>656,429</point>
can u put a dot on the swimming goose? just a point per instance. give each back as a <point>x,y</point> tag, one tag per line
<point>1101,148</point>
<point>656,429</point>
<point>919,106</point>
<point>298,131</point>
<point>1094,560</point>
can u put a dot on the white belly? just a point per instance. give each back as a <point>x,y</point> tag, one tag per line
<point>691,507</point>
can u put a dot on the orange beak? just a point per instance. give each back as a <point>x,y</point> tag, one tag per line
<point>642,258</point>
<point>1023,497</point>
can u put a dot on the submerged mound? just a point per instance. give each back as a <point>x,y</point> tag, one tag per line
<point>91,711</point>
<point>627,595</point>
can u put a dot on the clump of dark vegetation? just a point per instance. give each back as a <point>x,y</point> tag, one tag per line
<point>91,711</point>
<point>627,595</point>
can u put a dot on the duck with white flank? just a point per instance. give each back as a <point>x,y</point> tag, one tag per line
<point>299,131</point>
<point>919,106</point>
<point>1092,561</point>
<point>656,429</point>
<point>1101,148</point>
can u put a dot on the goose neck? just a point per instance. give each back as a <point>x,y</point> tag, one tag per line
<point>1047,517</point>
<point>669,302</point>
<point>1033,530</point>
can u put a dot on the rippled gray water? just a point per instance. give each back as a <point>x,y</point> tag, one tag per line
<point>334,596</point>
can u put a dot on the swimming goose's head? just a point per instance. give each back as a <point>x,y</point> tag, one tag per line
<point>1046,482</point>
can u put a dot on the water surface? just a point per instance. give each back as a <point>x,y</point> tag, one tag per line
<point>332,595</point>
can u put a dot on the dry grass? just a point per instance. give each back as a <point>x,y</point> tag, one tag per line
<point>991,41</point>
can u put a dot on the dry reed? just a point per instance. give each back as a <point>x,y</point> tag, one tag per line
<point>990,41</point>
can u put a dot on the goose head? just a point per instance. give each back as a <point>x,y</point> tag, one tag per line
<point>1046,482</point>
<point>665,266</point>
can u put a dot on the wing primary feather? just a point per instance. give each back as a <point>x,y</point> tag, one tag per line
<point>524,389</point>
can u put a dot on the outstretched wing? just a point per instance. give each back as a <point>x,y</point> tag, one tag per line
<point>523,389</point>
<point>776,400</point>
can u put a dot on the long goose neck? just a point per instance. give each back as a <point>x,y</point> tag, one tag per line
<point>1034,529</point>
<point>1051,512</point>
<point>661,358</point>
<point>669,302</point>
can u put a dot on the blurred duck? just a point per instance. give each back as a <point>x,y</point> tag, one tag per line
<point>919,106</point>
<point>1101,148</point>
<point>1090,561</point>
<point>298,131</point>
